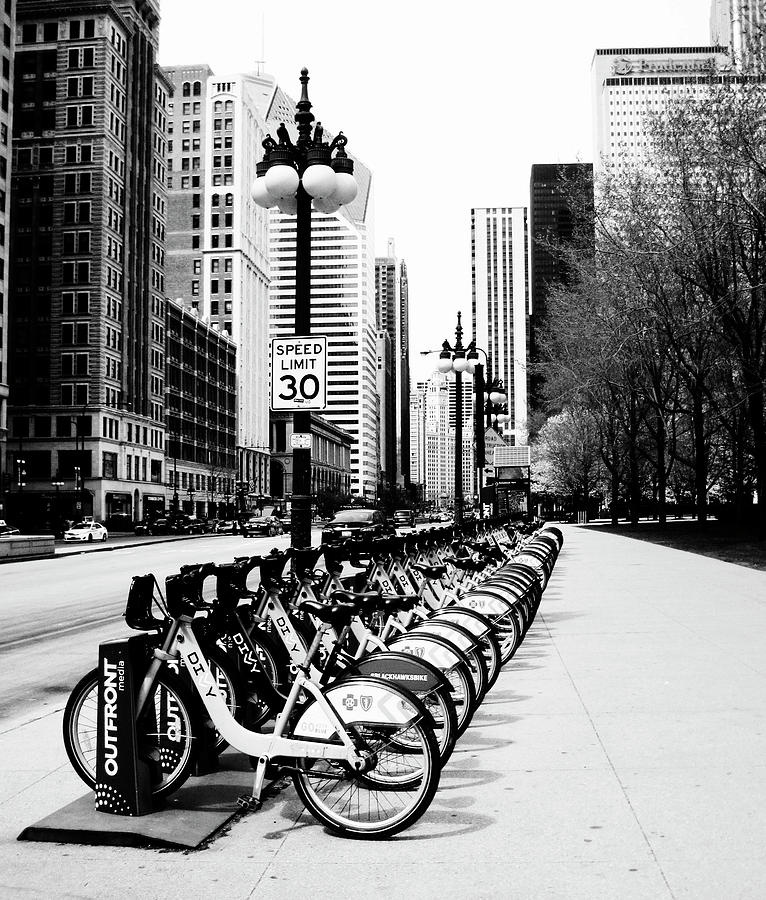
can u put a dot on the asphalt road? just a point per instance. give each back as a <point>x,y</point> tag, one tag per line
<point>54,612</point>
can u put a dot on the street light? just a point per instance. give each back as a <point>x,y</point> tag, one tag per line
<point>293,177</point>
<point>453,359</point>
<point>22,473</point>
<point>57,507</point>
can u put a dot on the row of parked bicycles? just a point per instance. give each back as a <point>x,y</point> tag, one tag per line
<point>355,677</point>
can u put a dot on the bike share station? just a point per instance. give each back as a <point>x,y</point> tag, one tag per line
<point>123,813</point>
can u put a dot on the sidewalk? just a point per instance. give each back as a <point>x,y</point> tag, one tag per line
<point>622,754</point>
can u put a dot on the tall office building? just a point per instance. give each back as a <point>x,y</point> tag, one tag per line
<point>218,239</point>
<point>740,26</point>
<point>392,302</point>
<point>432,441</point>
<point>552,223</point>
<point>87,307</point>
<point>7,21</point>
<point>629,83</point>
<point>500,303</point>
<point>342,299</point>
<point>386,387</point>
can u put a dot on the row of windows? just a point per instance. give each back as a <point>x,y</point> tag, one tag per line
<point>33,32</point>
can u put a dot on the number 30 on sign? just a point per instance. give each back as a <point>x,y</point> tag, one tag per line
<point>299,373</point>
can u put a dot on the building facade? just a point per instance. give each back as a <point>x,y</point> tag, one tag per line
<point>342,300</point>
<point>87,281</point>
<point>500,303</point>
<point>8,23</point>
<point>433,444</point>
<point>629,83</point>
<point>392,304</point>
<point>552,223</point>
<point>201,398</point>
<point>218,243</point>
<point>330,456</point>
<point>386,387</point>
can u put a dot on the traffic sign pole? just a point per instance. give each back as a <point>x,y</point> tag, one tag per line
<point>300,528</point>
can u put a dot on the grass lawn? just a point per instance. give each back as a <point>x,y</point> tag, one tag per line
<point>708,539</point>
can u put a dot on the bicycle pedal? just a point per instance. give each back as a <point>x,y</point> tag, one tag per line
<point>248,802</point>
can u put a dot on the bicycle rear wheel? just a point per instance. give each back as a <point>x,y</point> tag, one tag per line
<point>165,732</point>
<point>384,800</point>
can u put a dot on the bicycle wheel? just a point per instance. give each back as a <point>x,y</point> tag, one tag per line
<point>165,732</point>
<point>384,800</point>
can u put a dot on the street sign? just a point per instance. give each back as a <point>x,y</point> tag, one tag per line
<point>300,441</point>
<point>299,373</point>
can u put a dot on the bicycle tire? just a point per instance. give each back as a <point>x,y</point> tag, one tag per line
<point>173,765</point>
<point>335,795</point>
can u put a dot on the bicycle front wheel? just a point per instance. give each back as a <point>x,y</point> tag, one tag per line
<point>386,799</point>
<point>165,732</point>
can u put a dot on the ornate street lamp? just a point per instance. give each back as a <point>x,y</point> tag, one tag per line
<point>453,359</point>
<point>294,177</point>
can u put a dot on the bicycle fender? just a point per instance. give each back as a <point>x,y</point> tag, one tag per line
<point>469,619</point>
<point>450,631</point>
<point>404,670</point>
<point>485,604</point>
<point>430,648</point>
<point>360,699</point>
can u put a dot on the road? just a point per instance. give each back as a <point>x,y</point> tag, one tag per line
<point>56,611</point>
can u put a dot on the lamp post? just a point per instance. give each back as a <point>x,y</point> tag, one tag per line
<point>190,492</point>
<point>57,507</point>
<point>21,474</point>
<point>295,176</point>
<point>453,359</point>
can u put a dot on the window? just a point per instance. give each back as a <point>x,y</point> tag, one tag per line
<point>186,89</point>
<point>213,285</point>
<point>29,34</point>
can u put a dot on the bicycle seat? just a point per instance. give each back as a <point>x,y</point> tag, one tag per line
<point>395,602</point>
<point>361,599</point>
<point>336,614</point>
<point>466,564</point>
<point>430,571</point>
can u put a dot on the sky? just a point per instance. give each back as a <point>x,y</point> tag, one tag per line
<point>448,104</point>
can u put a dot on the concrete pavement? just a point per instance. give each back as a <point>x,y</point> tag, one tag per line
<point>620,755</point>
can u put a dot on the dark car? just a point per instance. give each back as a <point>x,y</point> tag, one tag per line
<point>367,523</point>
<point>269,525</point>
<point>144,526</point>
<point>174,525</point>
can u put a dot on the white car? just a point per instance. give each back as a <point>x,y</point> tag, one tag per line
<point>86,531</point>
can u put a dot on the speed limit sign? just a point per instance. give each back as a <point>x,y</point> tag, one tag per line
<point>299,373</point>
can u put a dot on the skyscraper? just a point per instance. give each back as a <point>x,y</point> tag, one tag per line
<point>342,299</point>
<point>500,303</point>
<point>7,21</point>
<point>218,239</point>
<point>629,83</point>
<point>87,303</point>
<point>392,302</point>
<point>552,223</point>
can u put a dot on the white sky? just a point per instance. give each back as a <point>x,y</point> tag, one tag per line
<point>448,104</point>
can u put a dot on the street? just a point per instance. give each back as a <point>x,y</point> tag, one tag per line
<point>55,612</point>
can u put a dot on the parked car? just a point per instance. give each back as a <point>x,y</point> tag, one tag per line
<point>404,518</point>
<point>86,531</point>
<point>227,526</point>
<point>368,523</point>
<point>255,525</point>
<point>6,529</point>
<point>144,526</point>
